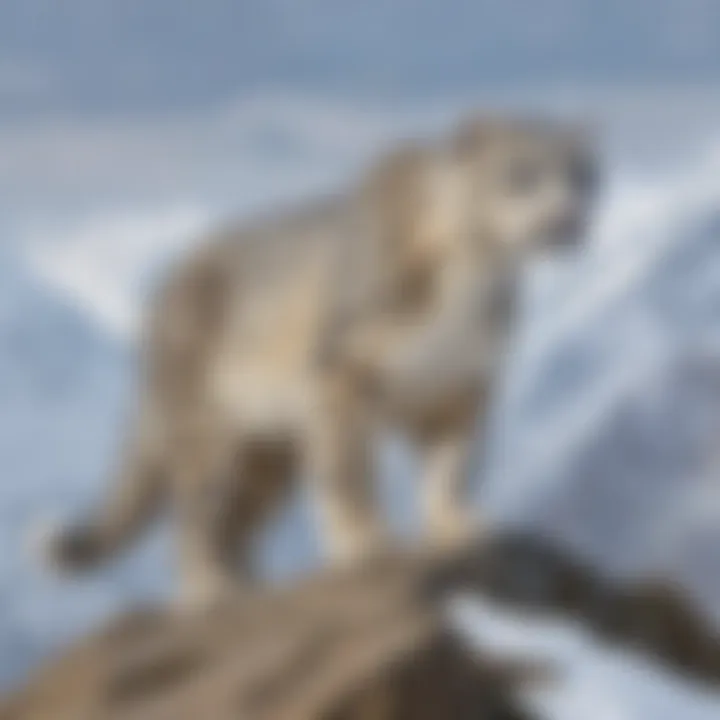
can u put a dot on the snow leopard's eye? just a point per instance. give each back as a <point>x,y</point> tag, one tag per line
<point>522,178</point>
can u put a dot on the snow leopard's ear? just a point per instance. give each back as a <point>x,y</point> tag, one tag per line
<point>584,132</point>
<point>474,133</point>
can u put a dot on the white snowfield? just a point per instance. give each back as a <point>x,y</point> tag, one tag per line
<point>589,679</point>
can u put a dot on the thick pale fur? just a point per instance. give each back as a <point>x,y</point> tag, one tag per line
<point>281,346</point>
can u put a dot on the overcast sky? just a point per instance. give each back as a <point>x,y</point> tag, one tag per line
<point>111,56</point>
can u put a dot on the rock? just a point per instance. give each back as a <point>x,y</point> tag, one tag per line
<point>367,644</point>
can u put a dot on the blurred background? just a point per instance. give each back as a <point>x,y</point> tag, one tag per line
<point>126,129</point>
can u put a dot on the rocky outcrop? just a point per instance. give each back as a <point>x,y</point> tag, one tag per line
<point>370,644</point>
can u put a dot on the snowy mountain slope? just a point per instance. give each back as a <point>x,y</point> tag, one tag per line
<point>62,384</point>
<point>609,435</point>
<point>591,680</point>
